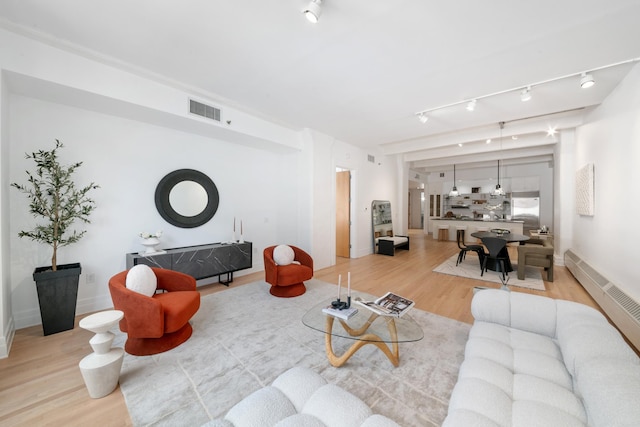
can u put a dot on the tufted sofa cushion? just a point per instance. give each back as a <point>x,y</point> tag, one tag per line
<point>535,361</point>
<point>301,397</point>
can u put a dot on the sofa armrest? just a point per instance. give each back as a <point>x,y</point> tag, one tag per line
<point>173,281</point>
<point>527,249</point>
<point>303,257</point>
<point>143,315</point>
<point>270,267</point>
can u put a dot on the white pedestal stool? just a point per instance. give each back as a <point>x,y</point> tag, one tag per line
<point>101,369</point>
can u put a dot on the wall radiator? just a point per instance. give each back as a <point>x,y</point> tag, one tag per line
<point>621,309</point>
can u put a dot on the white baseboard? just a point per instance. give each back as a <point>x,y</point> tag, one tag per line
<point>7,339</point>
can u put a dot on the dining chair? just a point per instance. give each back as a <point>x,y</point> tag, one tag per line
<point>497,253</point>
<point>464,248</point>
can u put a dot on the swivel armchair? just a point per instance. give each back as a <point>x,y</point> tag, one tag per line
<point>157,323</point>
<point>288,280</point>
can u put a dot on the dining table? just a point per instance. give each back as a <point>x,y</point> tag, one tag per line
<point>501,234</point>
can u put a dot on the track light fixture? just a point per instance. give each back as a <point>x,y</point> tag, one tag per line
<point>471,105</point>
<point>423,118</point>
<point>313,11</point>
<point>454,191</point>
<point>586,81</point>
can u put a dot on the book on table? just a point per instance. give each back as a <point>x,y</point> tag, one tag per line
<point>389,304</point>
<point>344,314</point>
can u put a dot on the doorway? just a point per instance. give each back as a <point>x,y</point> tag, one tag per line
<point>343,213</point>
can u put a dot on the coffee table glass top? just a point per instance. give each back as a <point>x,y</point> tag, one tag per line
<point>407,328</point>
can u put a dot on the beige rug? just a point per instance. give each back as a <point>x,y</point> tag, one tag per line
<point>244,338</point>
<point>470,268</point>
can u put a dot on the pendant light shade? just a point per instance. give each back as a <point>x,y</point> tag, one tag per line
<point>499,191</point>
<point>454,191</point>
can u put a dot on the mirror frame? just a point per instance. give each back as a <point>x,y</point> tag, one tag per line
<point>388,226</point>
<point>167,211</point>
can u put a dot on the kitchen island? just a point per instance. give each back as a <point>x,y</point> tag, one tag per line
<point>473,225</point>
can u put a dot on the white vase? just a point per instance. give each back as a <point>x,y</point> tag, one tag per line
<point>150,243</point>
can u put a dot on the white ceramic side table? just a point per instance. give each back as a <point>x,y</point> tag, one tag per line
<point>101,369</point>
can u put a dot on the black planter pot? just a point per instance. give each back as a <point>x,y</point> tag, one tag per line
<point>57,295</point>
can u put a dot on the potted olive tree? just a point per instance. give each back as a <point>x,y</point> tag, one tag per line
<point>57,203</point>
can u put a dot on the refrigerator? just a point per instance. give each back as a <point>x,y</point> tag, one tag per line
<point>525,206</point>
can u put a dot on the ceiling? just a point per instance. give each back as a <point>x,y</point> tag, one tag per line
<point>367,67</point>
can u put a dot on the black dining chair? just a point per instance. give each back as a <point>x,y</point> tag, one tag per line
<point>497,253</point>
<point>464,248</point>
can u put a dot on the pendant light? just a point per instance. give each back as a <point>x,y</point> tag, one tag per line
<point>499,191</point>
<point>454,191</point>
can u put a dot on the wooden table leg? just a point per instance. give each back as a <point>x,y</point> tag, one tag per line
<point>337,361</point>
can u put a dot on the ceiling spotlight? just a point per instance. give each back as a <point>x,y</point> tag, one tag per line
<point>313,11</point>
<point>551,131</point>
<point>525,95</point>
<point>514,137</point>
<point>488,141</point>
<point>587,81</point>
<point>423,118</point>
<point>471,105</point>
<point>460,144</point>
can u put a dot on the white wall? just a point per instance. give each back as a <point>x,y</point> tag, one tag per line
<point>127,159</point>
<point>7,326</point>
<point>130,131</point>
<point>610,140</point>
<point>372,181</point>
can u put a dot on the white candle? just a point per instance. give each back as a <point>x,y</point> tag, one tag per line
<point>234,223</point>
<point>241,227</point>
<point>348,284</point>
<point>339,281</point>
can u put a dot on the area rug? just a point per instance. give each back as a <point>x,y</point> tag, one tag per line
<point>470,268</point>
<point>243,338</point>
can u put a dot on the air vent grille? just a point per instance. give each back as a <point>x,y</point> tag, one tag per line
<point>572,256</point>
<point>622,309</point>
<point>632,307</point>
<point>371,158</point>
<point>204,110</point>
<point>594,275</point>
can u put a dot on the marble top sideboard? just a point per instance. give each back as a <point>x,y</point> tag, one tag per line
<point>201,261</point>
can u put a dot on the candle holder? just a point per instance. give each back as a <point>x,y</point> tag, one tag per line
<point>338,305</point>
<point>341,305</point>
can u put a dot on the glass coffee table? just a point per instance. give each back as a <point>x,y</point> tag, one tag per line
<point>365,327</point>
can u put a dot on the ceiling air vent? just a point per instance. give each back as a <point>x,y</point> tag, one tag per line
<point>204,110</point>
<point>371,158</point>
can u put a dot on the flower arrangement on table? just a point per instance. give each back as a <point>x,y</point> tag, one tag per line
<point>146,235</point>
<point>150,241</point>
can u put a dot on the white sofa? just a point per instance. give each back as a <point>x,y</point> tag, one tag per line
<point>535,361</point>
<point>300,397</point>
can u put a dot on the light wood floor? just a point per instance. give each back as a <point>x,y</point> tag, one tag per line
<point>40,383</point>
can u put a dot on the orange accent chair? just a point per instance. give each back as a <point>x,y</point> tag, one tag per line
<point>158,323</point>
<point>287,280</point>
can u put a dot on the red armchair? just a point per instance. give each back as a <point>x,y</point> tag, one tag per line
<point>287,280</point>
<point>158,323</point>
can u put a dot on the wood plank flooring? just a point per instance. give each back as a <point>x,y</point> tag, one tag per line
<point>41,384</point>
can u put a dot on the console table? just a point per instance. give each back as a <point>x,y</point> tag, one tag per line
<point>202,261</point>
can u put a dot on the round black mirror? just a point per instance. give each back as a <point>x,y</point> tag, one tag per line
<point>187,198</point>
